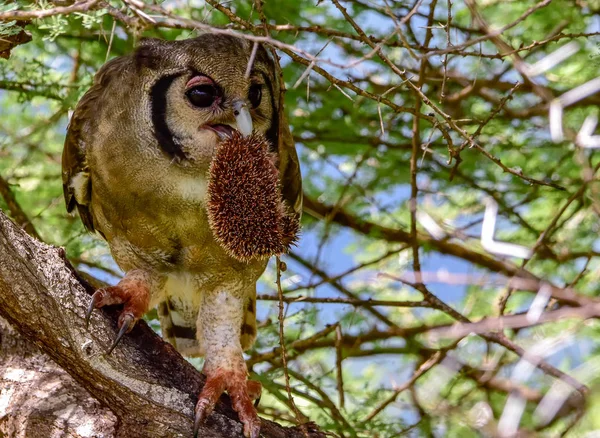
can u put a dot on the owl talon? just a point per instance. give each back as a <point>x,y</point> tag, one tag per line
<point>133,292</point>
<point>241,392</point>
<point>96,298</point>
<point>252,430</point>
<point>126,323</point>
<point>203,410</point>
<point>254,389</point>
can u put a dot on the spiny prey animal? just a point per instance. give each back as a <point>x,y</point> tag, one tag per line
<point>141,166</point>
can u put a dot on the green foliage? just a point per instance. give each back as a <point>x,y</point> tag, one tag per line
<point>356,150</point>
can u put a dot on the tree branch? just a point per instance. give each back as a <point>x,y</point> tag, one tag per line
<point>80,6</point>
<point>147,384</point>
<point>57,407</point>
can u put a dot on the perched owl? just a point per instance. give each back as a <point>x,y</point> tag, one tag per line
<point>137,166</point>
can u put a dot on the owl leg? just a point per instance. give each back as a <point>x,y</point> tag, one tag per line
<point>133,291</point>
<point>220,323</point>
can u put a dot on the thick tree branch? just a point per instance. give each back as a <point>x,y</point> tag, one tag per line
<point>41,399</point>
<point>149,387</point>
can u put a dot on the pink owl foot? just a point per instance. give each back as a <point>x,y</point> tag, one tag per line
<point>242,392</point>
<point>133,291</point>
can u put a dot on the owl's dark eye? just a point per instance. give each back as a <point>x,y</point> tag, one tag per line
<point>202,96</point>
<point>255,95</point>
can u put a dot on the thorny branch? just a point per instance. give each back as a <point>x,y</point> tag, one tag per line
<point>424,93</point>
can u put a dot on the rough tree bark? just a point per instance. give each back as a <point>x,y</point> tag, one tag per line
<point>39,399</point>
<point>145,388</point>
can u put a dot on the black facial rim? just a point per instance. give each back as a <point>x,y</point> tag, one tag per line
<point>158,105</point>
<point>258,87</point>
<point>273,131</point>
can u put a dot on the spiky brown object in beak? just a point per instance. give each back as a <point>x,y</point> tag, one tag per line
<point>245,210</point>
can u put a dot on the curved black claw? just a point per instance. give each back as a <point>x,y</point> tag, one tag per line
<point>255,433</point>
<point>252,429</point>
<point>202,412</point>
<point>127,321</point>
<point>197,422</point>
<point>196,427</point>
<point>257,401</point>
<point>96,297</point>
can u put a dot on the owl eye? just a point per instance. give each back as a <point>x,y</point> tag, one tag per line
<point>255,94</point>
<point>202,96</point>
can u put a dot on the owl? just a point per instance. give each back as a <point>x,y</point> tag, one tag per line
<point>136,166</point>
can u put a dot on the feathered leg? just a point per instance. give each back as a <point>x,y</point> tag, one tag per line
<point>220,323</point>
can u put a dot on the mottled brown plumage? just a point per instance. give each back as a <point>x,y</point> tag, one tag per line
<point>245,208</point>
<point>135,166</point>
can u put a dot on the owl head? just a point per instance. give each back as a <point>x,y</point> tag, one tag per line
<point>195,92</point>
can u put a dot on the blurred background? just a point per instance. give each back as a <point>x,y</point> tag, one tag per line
<point>446,279</point>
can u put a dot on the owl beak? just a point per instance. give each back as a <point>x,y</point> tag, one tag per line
<point>243,118</point>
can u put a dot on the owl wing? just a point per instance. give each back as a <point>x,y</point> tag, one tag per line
<point>77,184</point>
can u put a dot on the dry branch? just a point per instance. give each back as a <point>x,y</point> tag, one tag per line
<point>149,387</point>
<point>80,6</point>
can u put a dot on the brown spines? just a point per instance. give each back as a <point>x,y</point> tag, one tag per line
<point>245,209</point>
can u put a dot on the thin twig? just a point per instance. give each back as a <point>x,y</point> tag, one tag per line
<point>283,350</point>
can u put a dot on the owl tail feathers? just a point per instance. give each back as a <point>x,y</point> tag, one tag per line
<point>246,211</point>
